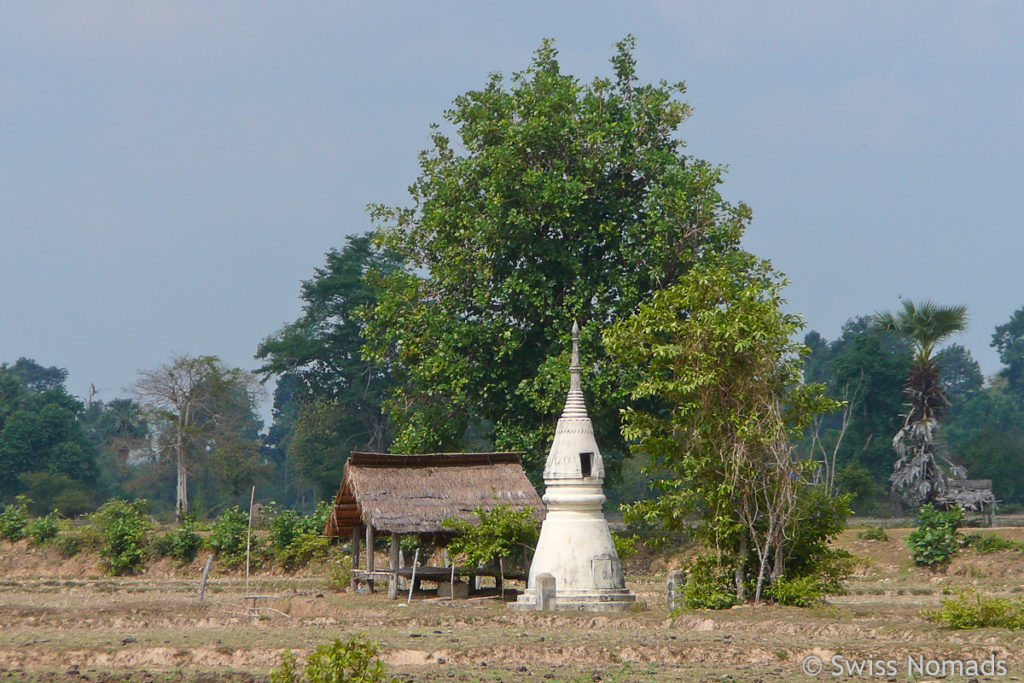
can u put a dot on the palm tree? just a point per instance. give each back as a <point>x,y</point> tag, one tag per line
<point>916,474</point>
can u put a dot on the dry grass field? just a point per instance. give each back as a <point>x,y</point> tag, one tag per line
<point>64,620</point>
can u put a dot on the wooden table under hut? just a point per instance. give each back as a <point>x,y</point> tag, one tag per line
<point>405,495</point>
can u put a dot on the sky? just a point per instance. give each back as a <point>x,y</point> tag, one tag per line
<point>170,172</point>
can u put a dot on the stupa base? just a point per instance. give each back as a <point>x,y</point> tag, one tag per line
<point>613,600</point>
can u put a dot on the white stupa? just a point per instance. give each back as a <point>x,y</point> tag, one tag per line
<point>575,545</point>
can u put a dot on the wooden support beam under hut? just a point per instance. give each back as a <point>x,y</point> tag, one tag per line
<point>402,495</point>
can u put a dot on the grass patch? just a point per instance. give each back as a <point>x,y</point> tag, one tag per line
<point>971,609</point>
<point>990,543</point>
<point>873,533</point>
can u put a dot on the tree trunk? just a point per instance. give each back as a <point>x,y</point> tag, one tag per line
<point>741,563</point>
<point>181,493</point>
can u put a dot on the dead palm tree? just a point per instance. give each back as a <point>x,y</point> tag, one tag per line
<point>917,476</point>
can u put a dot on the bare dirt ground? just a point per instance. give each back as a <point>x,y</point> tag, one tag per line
<point>64,620</point>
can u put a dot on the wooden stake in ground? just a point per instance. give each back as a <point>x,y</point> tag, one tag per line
<point>206,574</point>
<point>248,537</point>
<point>412,580</point>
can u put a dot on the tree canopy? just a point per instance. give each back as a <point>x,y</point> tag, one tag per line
<point>719,405</point>
<point>42,442</point>
<point>554,200</point>
<point>329,398</point>
<point>202,414</point>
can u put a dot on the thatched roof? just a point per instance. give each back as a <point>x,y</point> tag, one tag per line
<point>970,494</point>
<point>414,493</point>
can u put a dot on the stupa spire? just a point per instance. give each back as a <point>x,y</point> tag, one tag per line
<point>575,406</point>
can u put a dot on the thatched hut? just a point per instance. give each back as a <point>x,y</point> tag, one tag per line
<point>413,494</point>
<point>970,494</point>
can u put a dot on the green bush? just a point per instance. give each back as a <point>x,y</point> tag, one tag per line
<point>72,539</point>
<point>356,660</point>
<point>295,540</point>
<point>42,529</point>
<point>873,533</point>
<point>288,672</point>
<point>501,532</point>
<point>989,543</point>
<point>625,546</point>
<point>14,519</point>
<point>971,610</point>
<point>318,520</point>
<point>803,591</point>
<point>936,538</point>
<point>304,549</point>
<point>182,543</point>
<point>124,528</point>
<point>340,572</point>
<point>709,585</point>
<point>228,537</point>
<point>68,544</point>
<point>285,527</point>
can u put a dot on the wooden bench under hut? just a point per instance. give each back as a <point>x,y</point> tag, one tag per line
<point>970,494</point>
<point>412,494</point>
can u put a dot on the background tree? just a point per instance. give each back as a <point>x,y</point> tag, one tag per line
<point>719,405</point>
<point>119,430</point>
<point>44,449</point>
<point>556,201</point>
<point>198,407</point>
<point>865,371</point>
<point>1008,339</point>
<point>329,397</point>
<point>959,375</point>
<point>917,475</point>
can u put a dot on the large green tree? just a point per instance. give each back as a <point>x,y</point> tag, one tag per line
<point>719,405</point>
<point>547,200</point>
<point>43,445</point>
<point>329,397</point>
<point>918,474</point>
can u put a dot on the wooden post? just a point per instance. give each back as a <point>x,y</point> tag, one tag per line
<point>206,575</point>
<point>248,538</point>
<point>369,555</point>
<point>355,554</point>
<point>393,581</point>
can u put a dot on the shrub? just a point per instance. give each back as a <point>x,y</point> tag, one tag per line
<point>353,661</point>
<point>803,591</point>
<point>873,533</point>
<point>709,585</point>
<point>295,540</point>
<point>123,526</point>
<point>318,520</point>
<point>340,572</point>
<point>936,538</point>
<point>68,544</point>
<point>971,610</point>
<point>284,529</point>
<point>625,546</point>
<point>42,529</point>
<point>14,519</point>
<point>228,537</point>
<point>304,549</point>
<point>182,543</point>
<point>989,543</point>
<point>502,531</point>
<point>288,672</point>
